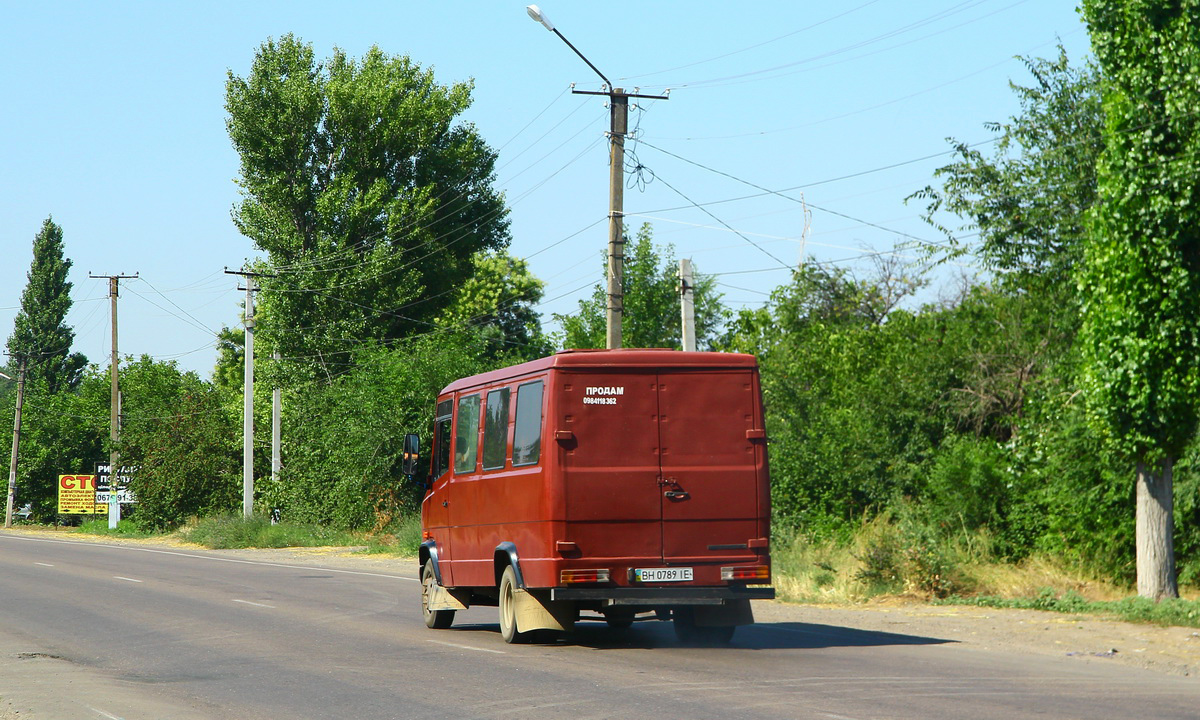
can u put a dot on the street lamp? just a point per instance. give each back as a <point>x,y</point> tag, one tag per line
<point>12,467</point>
<point>618,123</point>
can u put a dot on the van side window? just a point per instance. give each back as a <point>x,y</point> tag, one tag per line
<point>441,439</point>
<point>466,435</point>
<point>527,437</point>
<point>495,429</point>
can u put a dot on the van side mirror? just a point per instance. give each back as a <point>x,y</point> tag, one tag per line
<point>412,453</point>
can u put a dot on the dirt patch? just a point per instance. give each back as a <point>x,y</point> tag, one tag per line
<point>1172,650</point>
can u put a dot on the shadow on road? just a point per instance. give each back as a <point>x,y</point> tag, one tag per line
<point>799,635</point>
<point>760,636</point>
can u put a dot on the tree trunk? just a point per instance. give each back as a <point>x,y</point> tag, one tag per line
<point>1155,530</point>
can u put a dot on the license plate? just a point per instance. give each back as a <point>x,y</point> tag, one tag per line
<point>678,574</point>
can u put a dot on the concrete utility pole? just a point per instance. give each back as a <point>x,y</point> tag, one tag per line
<point>114,420</point>
<point>12,466</point>
<point>276,429</point>
<point>618,129</point>
<point>248,395</point>
<point>618,126</point>
<point>248,407</point>
<point>687,304</point>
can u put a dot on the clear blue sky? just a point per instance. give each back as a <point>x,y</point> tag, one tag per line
<point>114,123</point>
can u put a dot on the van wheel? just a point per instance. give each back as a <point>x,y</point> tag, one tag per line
<point>689,633</point>
<point>436,619</point>
<point>508,609</point>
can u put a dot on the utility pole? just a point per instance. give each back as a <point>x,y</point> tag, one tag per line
<point>12,466</point>
<point>617,130</point>
<point>276,428</point>
<point>248,395</point>
<point>114,420</point>
<point>687,304</point>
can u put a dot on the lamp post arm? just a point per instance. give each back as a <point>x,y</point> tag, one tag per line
<point>581,55</point>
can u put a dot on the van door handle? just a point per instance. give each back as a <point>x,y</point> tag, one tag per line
<point>677,494</point>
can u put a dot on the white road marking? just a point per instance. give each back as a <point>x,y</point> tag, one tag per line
<point>467,647</point>
<point>43,564</point>
<point>247,602</point>
<point>210,557</point>
<point>119,577</point>
<point>103,714</point>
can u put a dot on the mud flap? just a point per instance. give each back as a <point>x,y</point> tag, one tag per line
<point>535,613</point>
<point>731,613</point>
<point>441,598</point>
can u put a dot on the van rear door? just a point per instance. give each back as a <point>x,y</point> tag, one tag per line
<point>609,429</point>
<point>662,465</point>
<point>711,463</point>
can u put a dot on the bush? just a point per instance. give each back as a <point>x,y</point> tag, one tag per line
<point>344,448</point>
<point>184,441</point>
<point>967,487</point>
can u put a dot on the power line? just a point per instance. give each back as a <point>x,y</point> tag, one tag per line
<point>765,73</point>
<point>805,186</point>
<point>754,46</point>
<point>781,194</point>
<point>707,212</point>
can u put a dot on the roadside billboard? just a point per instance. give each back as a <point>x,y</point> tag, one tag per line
<point>77,495</point>
<point>124,474</point>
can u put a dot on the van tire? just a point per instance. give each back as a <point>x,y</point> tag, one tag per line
<point>436,619</point>
<point>508,610</point>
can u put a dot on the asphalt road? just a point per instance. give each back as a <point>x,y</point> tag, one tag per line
<point>119,631</point>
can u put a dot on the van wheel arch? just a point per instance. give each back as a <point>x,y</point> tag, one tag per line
<point>506,556</point>
<point>428,554</point>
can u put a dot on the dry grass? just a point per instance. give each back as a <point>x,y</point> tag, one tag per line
<point>882,564</point>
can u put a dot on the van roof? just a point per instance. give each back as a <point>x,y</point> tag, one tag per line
<point>633,358</point>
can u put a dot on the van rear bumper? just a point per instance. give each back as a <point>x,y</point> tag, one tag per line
<point>663,595</point>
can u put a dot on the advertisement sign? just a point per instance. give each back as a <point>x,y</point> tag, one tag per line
<point>124,474</point>
<point>77,495</point>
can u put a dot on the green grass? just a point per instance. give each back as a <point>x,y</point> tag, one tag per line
<point>1179,612</point>
<point>125,528</point>
<point>224,532</point>
<point>402,538</point>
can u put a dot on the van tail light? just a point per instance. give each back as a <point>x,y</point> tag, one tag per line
<point>746,573</point>
<point>573,577</point>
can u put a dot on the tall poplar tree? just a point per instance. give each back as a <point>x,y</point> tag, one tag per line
<point>368,194</point>
<point>41,339</point>
<point>1140,278</point>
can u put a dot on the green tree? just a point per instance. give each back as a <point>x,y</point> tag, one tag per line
<point>1140,278</point>
<point>40,337</point>
<point>650,287</point>
<point>1028,198</point>
<point>229,372</point>
<point>185,441</point>
<point>62,433</point>
<point>368,197</point>
<point>854,403</point>
<point>498,303</point>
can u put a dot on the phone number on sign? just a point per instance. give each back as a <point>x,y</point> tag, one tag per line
<point>599,401</point>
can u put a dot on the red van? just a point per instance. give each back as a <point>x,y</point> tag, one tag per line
<point>628,483</point>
